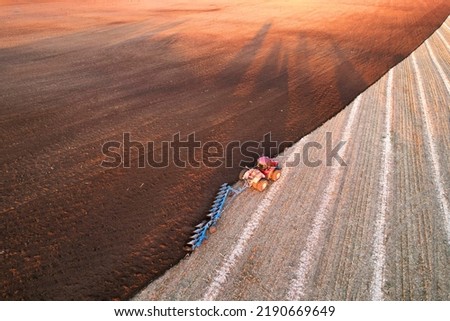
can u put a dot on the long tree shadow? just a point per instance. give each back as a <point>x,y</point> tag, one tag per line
<point>349,81</point>
<point>302,93</point>
<point>260,107</point>
<point>272,84</point>
<point>232,74</point>
<point>267,77</point>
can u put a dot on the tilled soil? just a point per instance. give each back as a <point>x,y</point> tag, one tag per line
<point>75,75</point>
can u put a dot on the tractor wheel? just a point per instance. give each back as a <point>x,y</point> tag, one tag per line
<point>261,185</point>
<point>276,174</point>
<point>242,173</point>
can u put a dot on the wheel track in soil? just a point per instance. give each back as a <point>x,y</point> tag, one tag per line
<point>414,232</point>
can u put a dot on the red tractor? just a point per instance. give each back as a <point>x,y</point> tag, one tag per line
<point>258,177</point>
<point>266,169</point>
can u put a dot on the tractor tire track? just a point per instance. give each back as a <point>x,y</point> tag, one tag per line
<point>379,251</point>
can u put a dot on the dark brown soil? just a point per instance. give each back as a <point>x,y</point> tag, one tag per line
<point>73,76</point>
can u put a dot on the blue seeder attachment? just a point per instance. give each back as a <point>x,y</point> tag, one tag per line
<point>199,234</point>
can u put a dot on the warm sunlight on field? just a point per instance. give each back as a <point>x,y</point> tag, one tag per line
<point>77,74</point>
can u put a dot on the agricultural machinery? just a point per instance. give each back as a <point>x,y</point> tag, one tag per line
<point>266,170</point>
<point>258,178</point>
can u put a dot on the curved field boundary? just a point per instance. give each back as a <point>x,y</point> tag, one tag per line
<point>375,229</point>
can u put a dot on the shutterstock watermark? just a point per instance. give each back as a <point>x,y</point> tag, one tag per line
<point>188,151</point>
